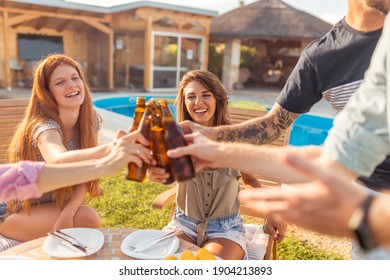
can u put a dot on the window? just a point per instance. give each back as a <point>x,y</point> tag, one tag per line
<point>34,47</point>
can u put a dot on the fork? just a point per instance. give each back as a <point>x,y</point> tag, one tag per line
<point>141,247</point>
<point>71,237</point>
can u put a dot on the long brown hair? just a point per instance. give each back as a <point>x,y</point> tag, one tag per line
<point>214,86</point>
<point>43,106</point>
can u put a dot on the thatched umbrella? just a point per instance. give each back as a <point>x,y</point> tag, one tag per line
<point>268,19</point>
<point>272,27</point>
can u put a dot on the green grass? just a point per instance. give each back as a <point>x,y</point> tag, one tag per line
<point>129,204</point>
<point>247,104</point>
<point>292,248</point>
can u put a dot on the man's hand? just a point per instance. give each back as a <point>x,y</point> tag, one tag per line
<point>204,151</point>
<point>324,204</point>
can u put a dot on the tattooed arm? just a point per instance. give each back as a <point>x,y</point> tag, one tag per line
<point>261,130</point>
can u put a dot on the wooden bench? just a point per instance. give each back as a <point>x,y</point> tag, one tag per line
<point>11,113</point>
<point>237,115</point>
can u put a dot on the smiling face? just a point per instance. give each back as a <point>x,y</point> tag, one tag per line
<point>200,103</point>
<point>66,86</point>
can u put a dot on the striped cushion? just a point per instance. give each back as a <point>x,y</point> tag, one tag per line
<point>6,243</point>
<point>256,241</point>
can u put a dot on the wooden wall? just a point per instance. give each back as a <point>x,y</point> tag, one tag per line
<point>79,44</point>
<point>91,38</point>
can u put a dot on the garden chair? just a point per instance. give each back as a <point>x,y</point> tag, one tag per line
<point>259,244</point>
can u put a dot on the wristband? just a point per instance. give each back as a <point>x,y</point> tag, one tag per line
<point>358,223</point>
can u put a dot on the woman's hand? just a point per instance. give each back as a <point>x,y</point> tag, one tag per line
<point>191,127</point>
<point>157,174</point>
<point>64,220</point>
<point>127,148</point>
<point>66,217</point>
<point>276,229</point>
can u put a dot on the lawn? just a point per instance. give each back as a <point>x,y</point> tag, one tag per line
<point>248,104</point>
<point>129,204</point>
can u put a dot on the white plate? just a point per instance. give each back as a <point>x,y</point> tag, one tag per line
<point>92,238</point>
<point>161,249</point>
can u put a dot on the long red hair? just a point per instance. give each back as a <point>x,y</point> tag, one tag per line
<point>43,106</point>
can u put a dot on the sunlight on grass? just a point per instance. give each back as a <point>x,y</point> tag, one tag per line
<point>129,204</point>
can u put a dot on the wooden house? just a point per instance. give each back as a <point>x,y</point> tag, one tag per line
<point>143,44</point>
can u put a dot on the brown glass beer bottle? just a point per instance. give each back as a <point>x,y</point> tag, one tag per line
<point>158,147</point>
<point>139,173</point>
<point>133,171</point>
<point>182,167</point>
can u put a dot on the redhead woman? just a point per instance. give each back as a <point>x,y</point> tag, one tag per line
<point>60,126</point>
<point>208,205</point>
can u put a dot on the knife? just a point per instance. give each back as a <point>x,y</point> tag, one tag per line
<point>67,236</point>
<point>67,242</point>
<point>152,242</point>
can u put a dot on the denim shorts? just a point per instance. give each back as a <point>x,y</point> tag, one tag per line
<point>228,227</point>
<point>3,212</point>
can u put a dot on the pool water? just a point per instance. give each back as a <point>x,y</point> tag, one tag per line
<point>310,130</point>
<point>126,105</point>
<point>306,130</point>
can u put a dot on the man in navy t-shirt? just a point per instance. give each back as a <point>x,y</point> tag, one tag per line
<point>332,68</point>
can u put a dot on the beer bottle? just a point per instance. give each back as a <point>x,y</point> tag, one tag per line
<point>139,173</point>
<point>182,167</point>
<point>133,171</point>
<point>159,149</point>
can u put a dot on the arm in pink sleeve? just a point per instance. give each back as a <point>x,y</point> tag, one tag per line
<point>19,180</point>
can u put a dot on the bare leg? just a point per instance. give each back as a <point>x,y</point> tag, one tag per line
<point>87,217</point>
<point>224,248</point>
<point>24,227</point>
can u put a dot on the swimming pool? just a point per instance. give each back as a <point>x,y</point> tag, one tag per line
<point>307,129</point>
<point>125,105</point>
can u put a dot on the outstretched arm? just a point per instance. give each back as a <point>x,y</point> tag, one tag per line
<point>324,204</point>
<point>27,179</point>
<point>260,130</point>
<point>263,160</point>
<point>53,151</point>
<point>124,150</point>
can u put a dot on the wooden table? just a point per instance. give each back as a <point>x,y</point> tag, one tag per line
<point>111,249</point>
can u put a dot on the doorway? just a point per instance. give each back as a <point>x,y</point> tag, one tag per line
<point>172,56</point>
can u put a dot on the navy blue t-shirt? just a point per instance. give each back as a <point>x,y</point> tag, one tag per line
<point>332,68</point>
